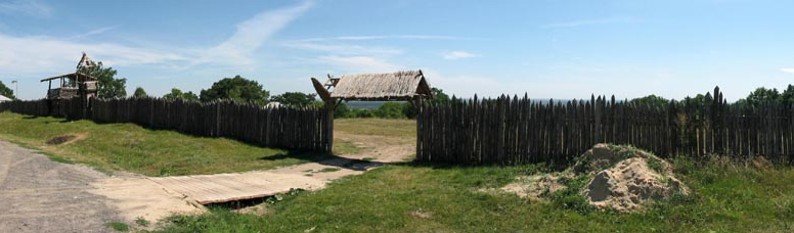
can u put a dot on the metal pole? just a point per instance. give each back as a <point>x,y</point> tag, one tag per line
<point>16,89</point>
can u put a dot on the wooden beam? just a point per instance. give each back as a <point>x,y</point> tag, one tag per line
<point>321,91</point>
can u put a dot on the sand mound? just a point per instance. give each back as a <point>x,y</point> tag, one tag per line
<point>535,187</point>
<point>620,178</point>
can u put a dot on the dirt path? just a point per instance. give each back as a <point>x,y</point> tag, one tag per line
<point>39,195</point>
<point>90,199</point>
<point>154,198</point>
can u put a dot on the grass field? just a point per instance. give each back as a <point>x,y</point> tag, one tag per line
<point>413,198</point>
<point>128,147</point>
<point>403,129</point>
<point>726,196</point>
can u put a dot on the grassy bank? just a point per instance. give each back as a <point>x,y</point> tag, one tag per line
<point>726,196</point>
<point>405,198</point>
<point>128,147</point>
<point>396,128</point>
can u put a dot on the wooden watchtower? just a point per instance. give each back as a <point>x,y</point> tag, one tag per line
<point>77,85</point>
<point>73,85</point>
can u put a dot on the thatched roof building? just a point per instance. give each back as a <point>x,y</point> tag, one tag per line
<point>401,85</point>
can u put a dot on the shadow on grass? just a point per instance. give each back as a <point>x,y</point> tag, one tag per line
<point>327,159</point>
<point>557,166</point>
<point>364,165</point>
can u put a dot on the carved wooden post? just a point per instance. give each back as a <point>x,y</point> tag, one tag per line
<point>330,107</point>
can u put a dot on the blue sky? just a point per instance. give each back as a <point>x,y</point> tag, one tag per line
<point>548,49</point>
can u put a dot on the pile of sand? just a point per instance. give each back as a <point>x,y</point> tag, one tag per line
<point>620,178</point>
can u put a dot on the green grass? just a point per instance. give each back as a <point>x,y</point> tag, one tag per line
<point>142,222</point>
<point>345,148</point>
<point>119,226</point>
<point>399,128</point>
<point>726,198</point>
<point>128,147</point>
<point>329,169</point>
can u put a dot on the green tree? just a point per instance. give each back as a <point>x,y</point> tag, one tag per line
<point>296,99</point>
<point>762,95</point>
<point>360,113</point>
<point>237,89</point>
<point>178,94</point>
<point>651,100</point>
<point>5,91</point>
<point>787,97</point>
<point>139,92</point>
<point>390,110</point>
<point>108,86</point>
<point>409,110</point>
<point>439,97</point>
<point>341,111</point>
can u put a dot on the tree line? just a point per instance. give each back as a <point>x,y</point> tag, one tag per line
<point>240,89</point>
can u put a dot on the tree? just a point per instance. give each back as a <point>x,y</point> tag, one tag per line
<point>409,110</point>
<point>237,89</point>
<point>108,86</point>
<point>787,97</point>
<point>341,111</point>
<point>296,99</point>
<point>762,95</point>
<point>651,100</point>
<point>178,94</point>
<point>139,92</point>
<point>5,91</point>
<point>439,97</point>
<point>390,110</point>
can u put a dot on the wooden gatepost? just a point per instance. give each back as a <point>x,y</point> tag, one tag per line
<point>411,86</point>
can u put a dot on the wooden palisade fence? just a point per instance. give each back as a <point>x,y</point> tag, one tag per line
<point>518,130</point>
<point>284,127</point>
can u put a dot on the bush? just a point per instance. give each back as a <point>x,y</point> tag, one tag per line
<point>392,110</point>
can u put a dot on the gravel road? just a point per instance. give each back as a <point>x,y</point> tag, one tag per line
<point>39,195</point>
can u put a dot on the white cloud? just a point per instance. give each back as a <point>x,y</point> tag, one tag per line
<point>29,7</point>
<point>385,37</point>
<point>33,55</point>
<point>359,64</point>
<point>252,34</point>
<point>40,54</point>
<point>342,48</point>
<point>589,22</point>
<point>787,70</point>
<point>455,55</point>
<point>93,32</point>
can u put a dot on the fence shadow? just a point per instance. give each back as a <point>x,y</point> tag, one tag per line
<point>327,159</point>
<point>546,167</point>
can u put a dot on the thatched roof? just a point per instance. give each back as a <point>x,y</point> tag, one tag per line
<point>401,85</point>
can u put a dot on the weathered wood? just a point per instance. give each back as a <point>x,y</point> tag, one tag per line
<point>512,130</point>
<point>244,122</point>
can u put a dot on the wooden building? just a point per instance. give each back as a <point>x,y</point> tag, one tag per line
<point>73,85</point>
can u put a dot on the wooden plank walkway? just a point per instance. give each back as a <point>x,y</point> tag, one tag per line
<point>207,189</point>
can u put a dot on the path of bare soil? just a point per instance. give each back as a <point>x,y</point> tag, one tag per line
<point>39,195</point>
<point>45,196</point>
